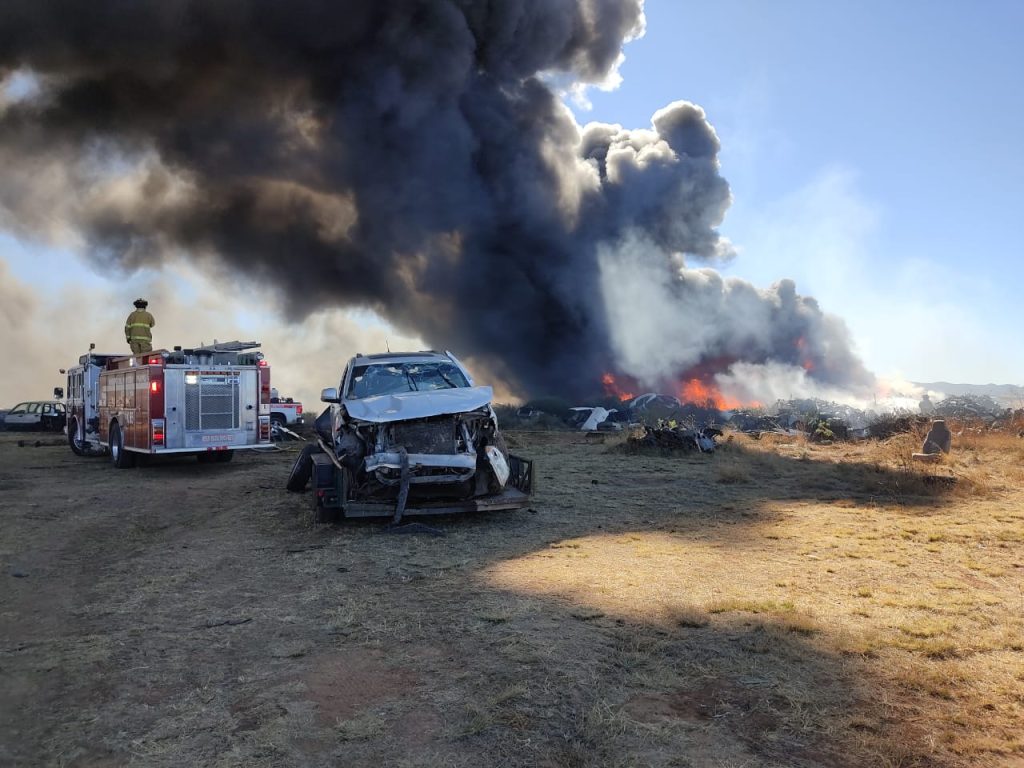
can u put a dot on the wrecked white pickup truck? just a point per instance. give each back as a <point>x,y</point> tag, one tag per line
<point>409,433</point>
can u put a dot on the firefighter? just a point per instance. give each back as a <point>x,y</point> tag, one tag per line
<point>137,328</point>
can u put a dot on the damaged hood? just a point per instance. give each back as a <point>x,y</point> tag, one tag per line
<point>418,405</point>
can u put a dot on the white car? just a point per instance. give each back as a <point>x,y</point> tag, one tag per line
<point>47,415</point>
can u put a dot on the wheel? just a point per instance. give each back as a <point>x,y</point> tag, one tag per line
<point>75,440</point>
<point>122,459</point>
<point>277,421</point>
<point>223,457</point>
<point>302,469</point>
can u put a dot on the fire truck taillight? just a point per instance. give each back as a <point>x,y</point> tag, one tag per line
<point>157,360</point>
<point>298,409</point>
<point>154,387</point>
<point>158,433</point>
<point>264,363</point>
<point>264,429</point>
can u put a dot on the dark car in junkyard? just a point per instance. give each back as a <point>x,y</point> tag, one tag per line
<point>409,433</point>
<point>45,415</point>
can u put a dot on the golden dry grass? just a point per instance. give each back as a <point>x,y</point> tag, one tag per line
<point>902,580</point>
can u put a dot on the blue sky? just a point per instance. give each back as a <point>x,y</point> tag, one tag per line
<point>874,153</point>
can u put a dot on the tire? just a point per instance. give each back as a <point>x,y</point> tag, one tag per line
<point>122,459</point>
<point>223,457</point>
<point>302,470</point>
<point>76,444</point>
<point>278,419</point>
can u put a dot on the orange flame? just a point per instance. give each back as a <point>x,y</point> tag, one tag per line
<point>612,388</point>
<point>806,363</point>
<point>708,395</point>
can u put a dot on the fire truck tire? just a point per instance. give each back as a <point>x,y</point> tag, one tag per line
<point>74,440</point>
<point>278,418</point>
<point>122,459</point>
<point>302,469</point>
<point>223,457</point>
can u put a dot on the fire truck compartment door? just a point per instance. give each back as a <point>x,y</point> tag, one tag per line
<point>174,412</point>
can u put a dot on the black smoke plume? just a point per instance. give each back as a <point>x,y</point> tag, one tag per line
<point>413,155</point>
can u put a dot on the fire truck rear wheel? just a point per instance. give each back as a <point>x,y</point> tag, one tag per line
<point>278,419</point>
<point>223,457</point>
<point>74,438</point>
<point>122,459</point>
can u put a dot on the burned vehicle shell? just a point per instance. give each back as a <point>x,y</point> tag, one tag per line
<point>412,430</point>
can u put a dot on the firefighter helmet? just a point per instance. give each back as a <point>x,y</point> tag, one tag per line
<point>141,303</point>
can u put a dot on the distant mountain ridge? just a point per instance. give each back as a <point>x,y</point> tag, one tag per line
<point>1010,395</point>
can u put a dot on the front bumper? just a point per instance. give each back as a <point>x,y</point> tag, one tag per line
<point>463,464</point>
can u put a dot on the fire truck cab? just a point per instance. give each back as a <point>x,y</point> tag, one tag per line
<point>209,401</point>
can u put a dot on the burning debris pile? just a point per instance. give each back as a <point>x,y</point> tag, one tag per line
<point>665,420</point>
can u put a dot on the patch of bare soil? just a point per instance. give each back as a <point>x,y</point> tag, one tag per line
<point>774,604</point>
<point>346,683</point>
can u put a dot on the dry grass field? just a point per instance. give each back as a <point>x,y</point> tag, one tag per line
<point>777,603</point>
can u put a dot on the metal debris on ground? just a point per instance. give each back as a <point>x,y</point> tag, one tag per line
<point>674,438</point>
<point>971,408</point>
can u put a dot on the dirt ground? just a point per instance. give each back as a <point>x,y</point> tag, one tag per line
<point>775,604</point>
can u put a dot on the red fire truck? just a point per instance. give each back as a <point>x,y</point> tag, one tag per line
<point>209,401</point>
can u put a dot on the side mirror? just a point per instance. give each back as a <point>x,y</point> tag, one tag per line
<point>58,393</point>
<point>329,395</point>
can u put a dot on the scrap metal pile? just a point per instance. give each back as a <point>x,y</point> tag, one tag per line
<point>674,438</point>
<point>971,408</point>
<point>665,421</point>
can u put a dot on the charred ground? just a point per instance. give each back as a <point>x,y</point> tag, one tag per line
<point>776,603</point>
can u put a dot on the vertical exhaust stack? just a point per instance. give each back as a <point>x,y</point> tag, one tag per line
<point>416,159</point>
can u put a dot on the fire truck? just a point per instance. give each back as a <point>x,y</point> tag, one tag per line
<point>209,401</point>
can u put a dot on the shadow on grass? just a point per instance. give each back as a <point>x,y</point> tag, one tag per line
<point>726,689</point>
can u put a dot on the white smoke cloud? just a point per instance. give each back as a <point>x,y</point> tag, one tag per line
<point>666,319</point>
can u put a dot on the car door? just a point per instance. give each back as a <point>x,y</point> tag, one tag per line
<point>17,415</point>
<point>48,416</point>
<point>34,415</point>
